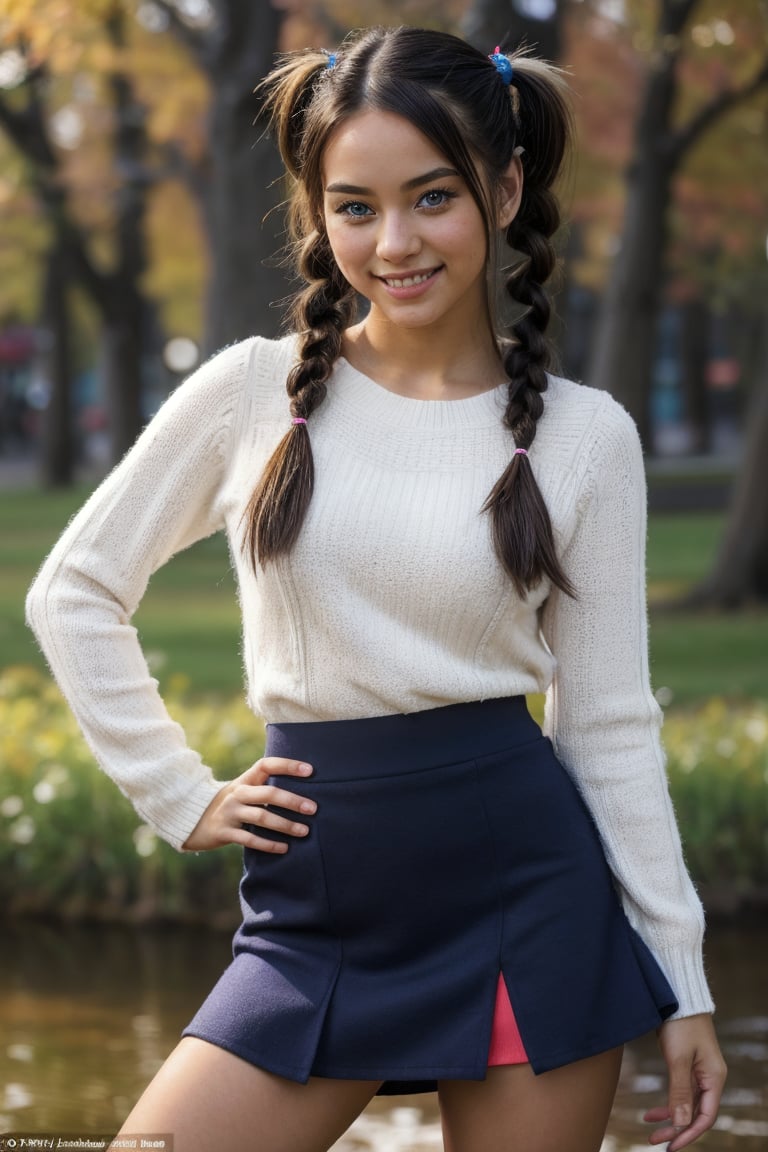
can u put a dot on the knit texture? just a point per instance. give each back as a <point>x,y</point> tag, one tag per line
<point>392,601</point>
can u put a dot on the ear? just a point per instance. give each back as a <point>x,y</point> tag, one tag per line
<point>510,193</point>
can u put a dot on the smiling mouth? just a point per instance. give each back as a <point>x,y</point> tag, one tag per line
<point>409,281</point>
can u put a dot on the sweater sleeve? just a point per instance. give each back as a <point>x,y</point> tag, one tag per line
<point>160,499</point>
<point>602,717</point>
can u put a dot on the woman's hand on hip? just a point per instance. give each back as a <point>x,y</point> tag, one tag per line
<point>247,800</point>
<point>697,1074</point>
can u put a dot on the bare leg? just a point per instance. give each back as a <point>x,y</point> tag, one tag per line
<point>212,1101</point>
<point>565,1110</point>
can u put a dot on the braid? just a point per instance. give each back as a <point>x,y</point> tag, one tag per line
<point>527,360</point>
<point>321,312</point>
<point>521,525</point>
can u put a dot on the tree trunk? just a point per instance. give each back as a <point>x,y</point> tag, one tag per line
<point>123,305</point>
<point>625,337</point>
<point>58,440</point>
<point>625,334</point>
<point>740,574</point>
<point>122,342</point>
<point>245,228</point>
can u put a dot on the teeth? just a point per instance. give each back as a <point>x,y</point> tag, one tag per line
<point>408,281</point>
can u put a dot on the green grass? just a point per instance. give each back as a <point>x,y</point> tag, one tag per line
<point>681,548</point>
<point>189,621</point>
<point>701,654</point>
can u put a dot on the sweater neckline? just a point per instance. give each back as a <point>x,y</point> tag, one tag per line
<point>380,404</point>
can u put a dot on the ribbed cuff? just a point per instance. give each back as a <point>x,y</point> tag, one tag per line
<point>685,973</point>
<point>178,820</point>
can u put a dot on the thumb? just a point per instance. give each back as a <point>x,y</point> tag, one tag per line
<point>681,1092</point>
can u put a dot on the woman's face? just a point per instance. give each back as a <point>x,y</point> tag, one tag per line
<point>403,226</point>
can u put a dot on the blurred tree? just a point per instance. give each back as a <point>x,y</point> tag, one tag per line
<point>154,134</point>
<point>115,292</point>
<point>201,119</point>
<point>740,573</point>
<point>124,306</point>
<point>59,447</point>
<point>234,44</point>
<point>624,341</point>
<point>25,126</point>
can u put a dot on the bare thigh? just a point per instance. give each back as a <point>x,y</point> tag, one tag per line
<point>211,1101</point>
<point>565,1110</point>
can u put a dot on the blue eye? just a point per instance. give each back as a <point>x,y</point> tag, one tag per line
<point>354,208</point>
<point>437,197</point>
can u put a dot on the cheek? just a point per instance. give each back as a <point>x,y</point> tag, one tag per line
<point>465,237</point>
<point>349,244</point>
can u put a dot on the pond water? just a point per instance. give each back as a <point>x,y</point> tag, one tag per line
<point>87,1015</point>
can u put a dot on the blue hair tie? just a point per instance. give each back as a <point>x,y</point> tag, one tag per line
<point>331,61</point>
<point>503,66</point>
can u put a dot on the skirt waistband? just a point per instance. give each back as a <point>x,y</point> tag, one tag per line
<point>388,745</point>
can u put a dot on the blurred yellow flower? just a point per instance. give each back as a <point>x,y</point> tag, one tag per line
<point>86,840</point>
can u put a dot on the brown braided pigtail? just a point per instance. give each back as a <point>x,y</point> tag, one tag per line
<point>319,313</point>
<point>521,525</point>
<point>280,500</point>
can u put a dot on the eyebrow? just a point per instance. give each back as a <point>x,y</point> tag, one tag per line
<point>416,182</point>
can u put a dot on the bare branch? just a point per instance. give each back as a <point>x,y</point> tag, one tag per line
<point>686,137</point>
<point>674,16</point>
<point>195,42</point>
<point>179,166</point>
<point>14,124</point>
<point>96,283</point>
<point>25,128</point>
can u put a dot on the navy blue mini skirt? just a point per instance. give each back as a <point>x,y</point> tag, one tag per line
<point>449,846</point>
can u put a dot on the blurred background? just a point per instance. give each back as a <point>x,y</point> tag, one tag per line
<point>139,227</point>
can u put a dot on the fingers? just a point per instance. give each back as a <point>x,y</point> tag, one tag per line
<point>241,807</point>
<point>656,1115</point>
<point>260,817</point>
<point>707,1113</point>
<point>705,1104</point>
<point>274,766</point>
<point>244,836</point>
<point>254,803</point>
<point>697,1074</point>
<point>257,795</point>
<point>682,1090</point>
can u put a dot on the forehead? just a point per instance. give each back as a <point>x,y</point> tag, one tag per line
<point>374,145</point>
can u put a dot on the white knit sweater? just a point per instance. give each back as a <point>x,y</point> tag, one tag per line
<point>392,601</point>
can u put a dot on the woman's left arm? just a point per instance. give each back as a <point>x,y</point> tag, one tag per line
<point>605,725</point>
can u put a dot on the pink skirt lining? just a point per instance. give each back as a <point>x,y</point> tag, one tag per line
<point>506,1042</point>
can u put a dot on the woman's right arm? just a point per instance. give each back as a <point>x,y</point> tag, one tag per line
<point>160,499</point>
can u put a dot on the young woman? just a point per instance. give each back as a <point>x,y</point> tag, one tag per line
<point>426,526</point>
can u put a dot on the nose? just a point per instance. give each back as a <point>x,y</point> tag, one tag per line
<point>397,237</point>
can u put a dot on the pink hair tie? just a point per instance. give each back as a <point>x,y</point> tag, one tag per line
<point>520,452</point>
<point>298,420</point>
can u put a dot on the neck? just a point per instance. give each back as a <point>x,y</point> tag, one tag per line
<point>425,365</point>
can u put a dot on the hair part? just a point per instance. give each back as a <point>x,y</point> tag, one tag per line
<point>449,91</point>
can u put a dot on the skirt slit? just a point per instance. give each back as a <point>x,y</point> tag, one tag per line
<point>506,1042</point>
